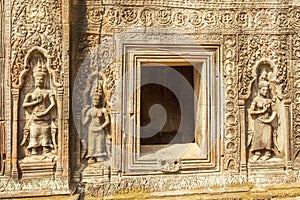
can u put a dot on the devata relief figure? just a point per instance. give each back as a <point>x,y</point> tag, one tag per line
<point>262,136</point>
<point>39,105</point>
<point>98,119</point>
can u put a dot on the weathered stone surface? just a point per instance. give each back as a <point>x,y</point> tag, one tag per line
<point>79,98</point>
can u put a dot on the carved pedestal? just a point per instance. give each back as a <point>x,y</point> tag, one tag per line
<point>271,165</point>
<point>97,172</point>
<point>35,167</point>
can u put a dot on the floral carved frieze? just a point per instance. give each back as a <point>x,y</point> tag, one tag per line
<point>35,23</point>
<point>96,60</point>
<point>252,49</point>
<point>190,3</point>
<point>265,19</point>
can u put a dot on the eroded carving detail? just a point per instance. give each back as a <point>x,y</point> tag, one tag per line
<point>36,23</point>
<point>98,119</point>
<point>95,15</point>
<point>230,74</point>
<point>263,130</point>
<point>279,19</point>
<point>296,115</point>
<point>254,48</point>
<point>129,15</point>
<point>93,58</point>
<point>40,128</point>
<point>147,17</point>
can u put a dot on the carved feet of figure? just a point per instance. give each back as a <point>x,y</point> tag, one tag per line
<point>261,156</point>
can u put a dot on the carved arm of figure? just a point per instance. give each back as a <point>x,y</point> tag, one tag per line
<point>50,107</point>
<point>86,115</point>
<point>269,121</point>
<point>265,108</point>
<point>107,122</point>
<point>106,117</point>
<point>29,103</point>
<point>252,110</point>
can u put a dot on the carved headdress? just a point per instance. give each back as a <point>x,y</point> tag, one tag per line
<point>40,67</point>
<point>263,84</point>
<point>97,91</point>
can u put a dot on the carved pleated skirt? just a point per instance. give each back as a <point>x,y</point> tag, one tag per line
<point>96,144</point>
<point>262,136</point>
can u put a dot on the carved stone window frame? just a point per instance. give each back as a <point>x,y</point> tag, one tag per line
<point>133,56</point>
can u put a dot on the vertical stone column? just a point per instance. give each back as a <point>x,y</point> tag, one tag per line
<point>289,138</point>
<point>14,158</point>
<point>242,125</point>
<point>59,169</point>
<point>65,17</point>
<point>115,143</point>
<point>6,74</point>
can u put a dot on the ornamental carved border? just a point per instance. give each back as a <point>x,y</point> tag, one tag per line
<point>274,18</point>
<point>296,100</point>
<point>231,136</point>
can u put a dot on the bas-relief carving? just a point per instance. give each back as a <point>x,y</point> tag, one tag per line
<point>209,20</point>
<point>92,57</point>
<point>279,19</point>
<point>190,3</point>
<point>97,118</point>
<point>40,106</point>
<point>262,132</point>
<point>96,134</point>
<point>36,26</point>
<point>265,58</point>
<point>267,118</point>
<point>226,20</point>
<point>253,49</point>
<point>38,119</point>
<point>212,20</point>
<point>32,28</point>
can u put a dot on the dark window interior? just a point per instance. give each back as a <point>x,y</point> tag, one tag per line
<point>157,94</point>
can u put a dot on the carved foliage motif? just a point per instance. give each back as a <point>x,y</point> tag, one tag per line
<point>95,15</point>
<point>87,43</point>
<point>96,59</point>
<point>36,23</point>
<point>296,47</point>
<point>253,48</point>
<point>257,18</point>
<point>186,3</point>
<point>296,108</point>
<point>295,15</point>
<point>230,74</point>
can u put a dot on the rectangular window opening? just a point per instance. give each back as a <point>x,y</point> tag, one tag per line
<point>164,141</point>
